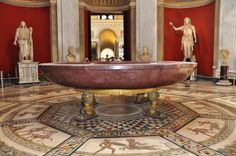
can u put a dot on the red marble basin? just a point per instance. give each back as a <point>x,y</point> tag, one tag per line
<point>117,75</point>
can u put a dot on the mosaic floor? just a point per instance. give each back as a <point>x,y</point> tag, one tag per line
<point>42,120</point>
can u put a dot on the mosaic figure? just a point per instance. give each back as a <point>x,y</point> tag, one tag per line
<point>40,133</point>
<point>135,145</point>
<point>203,131</point>
<point>212,125</point>
<point>106,144</point>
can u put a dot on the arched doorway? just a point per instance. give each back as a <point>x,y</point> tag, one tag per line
<point>109,28</point>
<point>126,8</point>
<point>107,40</point>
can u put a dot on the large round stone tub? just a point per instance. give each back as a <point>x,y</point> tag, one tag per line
<point>117,75</point>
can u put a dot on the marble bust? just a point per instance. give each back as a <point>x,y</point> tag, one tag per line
<point>70,57</point>
<point>225,56</point>
<point>145,55</point>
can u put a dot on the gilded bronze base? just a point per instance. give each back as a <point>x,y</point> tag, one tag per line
<point>118,91</point>
<point>142,98</point>
<point>145,95</point>
<point>87,107</point>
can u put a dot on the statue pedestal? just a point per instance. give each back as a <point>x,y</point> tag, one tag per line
<point>28,72</point>
<point>224,83</point>
<point>224,76</point>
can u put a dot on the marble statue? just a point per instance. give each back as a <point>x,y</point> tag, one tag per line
<point>225,56</point>
<point>145,55</point>
<point>188,37</point>
<point>70,57</point>
<point>24,39</point>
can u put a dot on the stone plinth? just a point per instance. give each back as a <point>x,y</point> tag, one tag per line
<point>224,76</point>
<point>28,72</point>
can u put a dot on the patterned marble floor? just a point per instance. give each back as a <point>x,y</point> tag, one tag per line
<point>41,120</point>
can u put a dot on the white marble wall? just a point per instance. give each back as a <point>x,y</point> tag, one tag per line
<point>68,27</point>
<point>227,37</point>
<point>146,13</point>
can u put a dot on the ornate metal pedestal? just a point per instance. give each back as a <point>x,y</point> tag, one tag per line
<point>87,107</point>
<point>150,95</point>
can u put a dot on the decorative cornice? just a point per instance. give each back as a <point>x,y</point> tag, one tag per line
<point>27,3</point>
<point>186,3</point>
<point>107,5</point>
<point>160,2</point>
<point>107,9</point>
<point>133,4</point>
<point>107,2</point>
<point>53,1</point>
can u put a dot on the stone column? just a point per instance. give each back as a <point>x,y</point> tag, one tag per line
<point>216,36</point>
<point>81,31</point>
<point>68,27</point>
<point>147,26</point>
<point>160,30</point>
<point>53,31</point>
<point>227,36</point>
<point>133,30</point>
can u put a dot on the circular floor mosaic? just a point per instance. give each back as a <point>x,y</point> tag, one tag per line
<point>199,122</point>
<point>110,119</point>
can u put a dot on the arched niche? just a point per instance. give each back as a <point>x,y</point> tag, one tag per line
<point>190,4</point>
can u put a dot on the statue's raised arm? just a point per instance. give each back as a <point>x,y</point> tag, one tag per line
<point>176,29</point>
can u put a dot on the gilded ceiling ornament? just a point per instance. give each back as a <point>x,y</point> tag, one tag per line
<point>107,5</point>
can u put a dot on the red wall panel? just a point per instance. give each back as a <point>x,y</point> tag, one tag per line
<point>38,19</point>
<point>203,20</point>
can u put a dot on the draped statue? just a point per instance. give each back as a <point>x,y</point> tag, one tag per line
<point>24,39</point>
<point>188,37</point>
